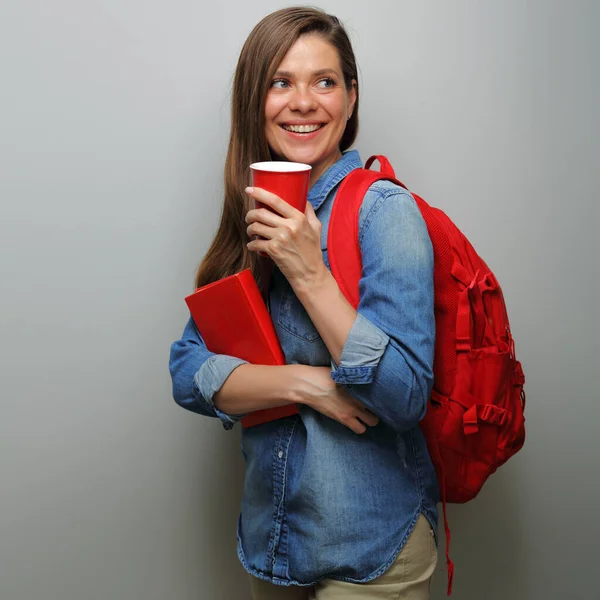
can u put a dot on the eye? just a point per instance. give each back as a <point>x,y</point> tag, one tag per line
<point>327,83</point>
<point>279,84</point>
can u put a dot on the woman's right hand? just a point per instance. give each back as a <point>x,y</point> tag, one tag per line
<point>316,389</point>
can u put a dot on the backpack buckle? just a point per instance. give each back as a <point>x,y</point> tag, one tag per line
<point>486,413</point>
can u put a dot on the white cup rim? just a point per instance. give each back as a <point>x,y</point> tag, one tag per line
<point>280,166</point>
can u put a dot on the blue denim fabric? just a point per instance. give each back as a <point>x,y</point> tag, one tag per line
<point>320,501</point>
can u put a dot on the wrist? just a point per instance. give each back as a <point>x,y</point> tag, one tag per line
<point>296,379</point>
<point>303,388</point>
<point>312,284</point>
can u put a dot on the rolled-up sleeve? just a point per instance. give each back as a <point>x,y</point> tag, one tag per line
<point>387,361</point>
<point>361,353</point>
<point>197,374</point>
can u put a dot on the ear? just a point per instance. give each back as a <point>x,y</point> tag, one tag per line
<point>352,97</point>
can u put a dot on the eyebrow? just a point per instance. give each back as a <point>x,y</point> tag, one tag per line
<point>315,74</point>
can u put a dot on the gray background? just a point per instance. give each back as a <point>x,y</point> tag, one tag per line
<point>113,132</point>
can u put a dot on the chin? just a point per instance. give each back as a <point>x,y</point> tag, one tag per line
<point>308,158</point>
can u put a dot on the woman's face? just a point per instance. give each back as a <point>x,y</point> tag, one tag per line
<point>308,105</point>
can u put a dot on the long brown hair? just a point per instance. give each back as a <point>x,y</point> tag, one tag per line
<point>263,51</point>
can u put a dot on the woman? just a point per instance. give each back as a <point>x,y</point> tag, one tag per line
<point>340,500</point>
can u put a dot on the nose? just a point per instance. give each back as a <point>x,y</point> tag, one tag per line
<point>302,100</point>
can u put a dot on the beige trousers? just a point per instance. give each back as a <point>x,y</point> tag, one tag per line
<point>409,577</point>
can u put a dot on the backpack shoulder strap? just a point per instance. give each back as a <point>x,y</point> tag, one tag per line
<point>343,249</point>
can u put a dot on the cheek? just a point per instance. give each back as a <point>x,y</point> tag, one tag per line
<point>273,107</point>
<point>337,109</point>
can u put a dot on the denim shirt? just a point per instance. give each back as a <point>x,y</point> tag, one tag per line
<point>320,501</point>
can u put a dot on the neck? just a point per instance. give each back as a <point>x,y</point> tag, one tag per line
<point>317,171</point>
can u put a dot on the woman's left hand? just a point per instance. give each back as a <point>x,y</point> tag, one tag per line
<point>291,238</point>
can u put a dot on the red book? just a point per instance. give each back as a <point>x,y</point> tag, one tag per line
<point>232,319</point>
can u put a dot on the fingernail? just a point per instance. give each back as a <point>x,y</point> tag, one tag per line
<point>249,190</point>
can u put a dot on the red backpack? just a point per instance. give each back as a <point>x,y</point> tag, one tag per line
<point>475,417</point>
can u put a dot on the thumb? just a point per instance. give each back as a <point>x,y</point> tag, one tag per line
<point>311,217</point>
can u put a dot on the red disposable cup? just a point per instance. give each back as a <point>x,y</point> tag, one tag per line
<point>288,180</point>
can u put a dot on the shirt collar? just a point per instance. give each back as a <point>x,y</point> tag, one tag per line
<point>349,161</point>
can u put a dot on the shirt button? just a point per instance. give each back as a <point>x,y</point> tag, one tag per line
<point>280,454</point>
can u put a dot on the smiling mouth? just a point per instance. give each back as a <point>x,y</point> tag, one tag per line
<point>303,128</point>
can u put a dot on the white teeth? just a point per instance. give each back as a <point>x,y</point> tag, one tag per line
<point>302,128</point>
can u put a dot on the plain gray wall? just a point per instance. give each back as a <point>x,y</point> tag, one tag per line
<point>113,132</point>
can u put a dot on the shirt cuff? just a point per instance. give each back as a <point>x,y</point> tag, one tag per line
<point>210,379</point>
<point>361,353</point>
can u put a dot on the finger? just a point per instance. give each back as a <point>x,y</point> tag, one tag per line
<point>261,230</point>
<point>368,418</point>
<point>357,426</point>
<point>264,215</point>
<point>260,246</point>
<point>275,202</point>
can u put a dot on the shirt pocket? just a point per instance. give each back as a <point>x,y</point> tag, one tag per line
<point>293,318</point>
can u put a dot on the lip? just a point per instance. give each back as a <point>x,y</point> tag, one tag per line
<point>302,123</point>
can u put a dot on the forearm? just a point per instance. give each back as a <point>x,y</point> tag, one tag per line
<point>399,375</point>
<point>328,309</point>
<point>258,387</point>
